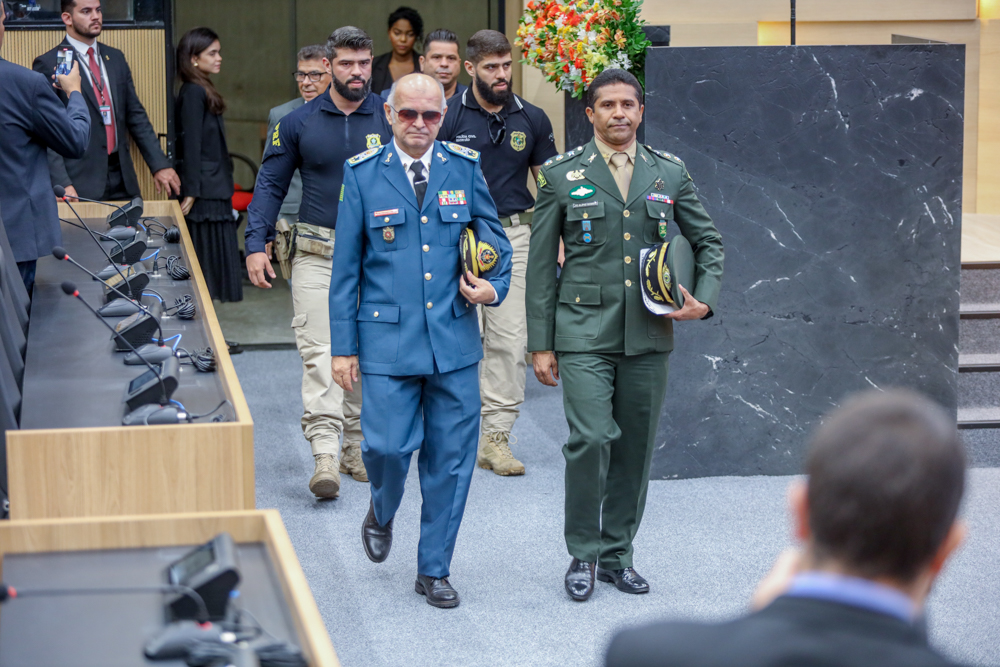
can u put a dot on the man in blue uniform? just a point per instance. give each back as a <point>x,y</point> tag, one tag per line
<point>316,139</point>
<point>414,333</point>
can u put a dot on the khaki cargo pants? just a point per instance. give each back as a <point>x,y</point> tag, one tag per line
<point>505,342</point>
<point>329,411</point>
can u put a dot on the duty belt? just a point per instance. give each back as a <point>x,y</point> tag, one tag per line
<point>517,219</point>
<point>312,239</point>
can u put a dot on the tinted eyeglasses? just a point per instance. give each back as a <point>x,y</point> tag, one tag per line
<point>497,126</point>
<point>410,116</point>
<point>312,76</point>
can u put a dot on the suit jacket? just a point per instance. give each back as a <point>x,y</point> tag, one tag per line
<point>205,169</point>
<point>596,304</point>
<point>405,258</point>
<point>790,631</point>
<point>382,77</point>
<point>32,119</point>
<point>293,199</point>
<point>88,173</point>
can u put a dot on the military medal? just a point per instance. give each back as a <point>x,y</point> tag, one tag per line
<point>663,229</point>
<point>389,234</point>
<point>658,184</point>
<point>451,197</point>
<point>575,175</point>
<point>663,199</point>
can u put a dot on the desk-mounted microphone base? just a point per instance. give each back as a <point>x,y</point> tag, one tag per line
<point>154,413</point>
<point>154,353</point>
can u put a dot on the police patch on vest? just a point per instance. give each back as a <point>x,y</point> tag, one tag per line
<point>275,141</point>
<point>582,192</point>
<point>372,141</point>
<point>518,140</point>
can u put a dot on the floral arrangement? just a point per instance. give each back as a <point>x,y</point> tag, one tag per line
<point>572,41</point>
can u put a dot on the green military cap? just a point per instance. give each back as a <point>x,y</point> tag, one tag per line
<point>663,268</point>
<point>478,250</point>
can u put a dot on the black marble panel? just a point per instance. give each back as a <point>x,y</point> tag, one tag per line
<point>835,176</point>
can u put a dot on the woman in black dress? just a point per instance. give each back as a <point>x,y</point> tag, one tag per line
<point>406,28</point>
<point>205,168</point>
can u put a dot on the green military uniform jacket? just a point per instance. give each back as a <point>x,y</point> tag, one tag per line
<point>596,304</point>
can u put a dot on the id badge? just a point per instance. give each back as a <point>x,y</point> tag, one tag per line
<point>105,114</point>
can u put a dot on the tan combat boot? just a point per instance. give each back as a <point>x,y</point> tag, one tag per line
<point>325,482</point>
<point>494,454</point>
<point>351,462</point>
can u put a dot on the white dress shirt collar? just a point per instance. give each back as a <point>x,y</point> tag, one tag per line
<point>82,48</point>
<point>407,160</point>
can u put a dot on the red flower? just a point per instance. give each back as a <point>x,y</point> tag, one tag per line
<point>566,68</point>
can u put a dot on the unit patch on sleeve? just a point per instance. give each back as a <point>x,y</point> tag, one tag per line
<point>541,180</point>
<point>341,192</point>
<point>275,141</point>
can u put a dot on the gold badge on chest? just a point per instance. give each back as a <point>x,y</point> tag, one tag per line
<point>575,175</point>
<point>389,234</point>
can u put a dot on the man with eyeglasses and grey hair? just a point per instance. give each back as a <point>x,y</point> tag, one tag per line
<point>514,138</point>
<point>413,334</point>
<point>312,76</point>
<point>315,140</point>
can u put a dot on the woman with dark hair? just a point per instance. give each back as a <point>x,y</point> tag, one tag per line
<point>205,168</point>
<point>406,28</point>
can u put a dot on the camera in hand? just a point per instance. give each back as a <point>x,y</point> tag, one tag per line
<point>64,62</point>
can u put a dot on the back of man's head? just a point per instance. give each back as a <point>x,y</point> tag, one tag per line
<point>886,477</point>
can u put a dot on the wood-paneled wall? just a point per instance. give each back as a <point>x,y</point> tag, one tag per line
<point>145,51</point>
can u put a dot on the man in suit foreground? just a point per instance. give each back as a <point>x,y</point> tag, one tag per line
<point>31,120</point>
<point>877,517</point>
<point>105,171</point>
<point>414,332</point>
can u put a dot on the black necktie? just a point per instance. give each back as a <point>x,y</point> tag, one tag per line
<point>419,181</point>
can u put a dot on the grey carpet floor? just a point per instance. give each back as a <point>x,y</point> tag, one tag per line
<point>703,545</point>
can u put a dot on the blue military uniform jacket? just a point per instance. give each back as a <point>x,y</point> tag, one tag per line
<point>405,260</point>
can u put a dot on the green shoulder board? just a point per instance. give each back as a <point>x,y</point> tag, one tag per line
<point>467,153</point>
<point>562,156</point>
<point>664,155</point>
<point>367,155</point>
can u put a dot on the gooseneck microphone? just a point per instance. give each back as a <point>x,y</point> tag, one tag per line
<point>165,391</point>
<point>61,192</point>
<point>60,253</point>
<point>136,203</point>
<point>11,593</point>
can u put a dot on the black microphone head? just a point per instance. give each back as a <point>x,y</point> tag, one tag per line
<point>59,252</point>
<point>59,190</point>
<point>69,288</point>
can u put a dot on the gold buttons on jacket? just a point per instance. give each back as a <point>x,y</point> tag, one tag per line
<point>585,216</point>
<point>627,236</point>
<point>429,305</point>
<point>626,213</point>
<point>423,219</point>
<point>387,219</point>
<point>578,299</point>
<point>628,283</point>
<point>454,215</point>
<point>427,248</point>
<point>376,313</point>
<point>628,260</point>
<point>427,276</point>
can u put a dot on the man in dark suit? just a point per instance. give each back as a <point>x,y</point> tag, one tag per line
<point>31,120</point>
<point>105,171</point>
<point>878,521</point>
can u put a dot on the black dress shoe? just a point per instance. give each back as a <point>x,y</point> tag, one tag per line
<point>439,592</point>
<point>376,539</point>
<point>626,580</point>
<point>580,580</point>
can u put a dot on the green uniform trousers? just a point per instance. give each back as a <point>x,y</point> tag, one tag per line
<point>612,404</point>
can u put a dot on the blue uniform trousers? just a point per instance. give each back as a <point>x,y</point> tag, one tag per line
<point>439,415</point>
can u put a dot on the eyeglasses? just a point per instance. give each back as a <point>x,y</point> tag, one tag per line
<point>312,76</point>
<point>497,127</point>
<point>410,116</point>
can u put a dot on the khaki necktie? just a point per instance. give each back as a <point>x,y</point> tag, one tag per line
<point>622,177</point>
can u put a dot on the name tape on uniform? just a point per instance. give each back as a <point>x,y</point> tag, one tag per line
<point>388,211</point>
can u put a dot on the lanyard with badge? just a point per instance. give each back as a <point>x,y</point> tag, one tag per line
<point>105,104</point>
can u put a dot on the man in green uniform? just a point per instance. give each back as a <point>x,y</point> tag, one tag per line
<point>608,200</point>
